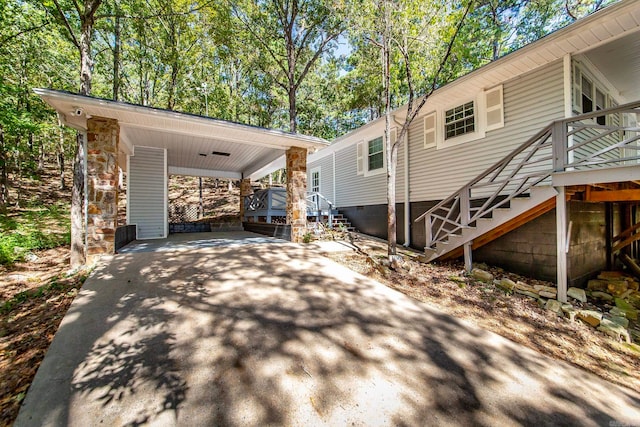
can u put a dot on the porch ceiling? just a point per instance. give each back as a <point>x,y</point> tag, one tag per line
<point>619,61</point>
<point>190,140</point>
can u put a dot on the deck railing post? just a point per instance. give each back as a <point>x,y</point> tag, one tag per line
<point>465,216</point>
<point>560,144</point>
<point>330,215</point>
<point>269,204</point>
<point>428,235</point>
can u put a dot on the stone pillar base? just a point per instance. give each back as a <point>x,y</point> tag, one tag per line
<point>297,192</point>
<point>245,190</point>
<point>102,186</point>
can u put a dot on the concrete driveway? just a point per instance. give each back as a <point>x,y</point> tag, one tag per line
<point>247,331</point>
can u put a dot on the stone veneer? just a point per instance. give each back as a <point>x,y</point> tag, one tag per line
<point>102,185</point>
<point>297,192</point>
<point>245,190</point>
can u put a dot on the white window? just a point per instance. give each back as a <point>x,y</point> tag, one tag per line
<point>459,120</point>
<point>371,158</point>
<point>589,95</point>
<point>375,158</point>
<point>466,121</point>
<point>315,180</point>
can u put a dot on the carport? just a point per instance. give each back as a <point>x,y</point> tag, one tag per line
<point>150,144</point>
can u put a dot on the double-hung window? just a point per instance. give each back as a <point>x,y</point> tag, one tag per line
<point>375,158</point>
<point>589,95</point>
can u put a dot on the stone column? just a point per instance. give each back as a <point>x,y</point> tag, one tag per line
<point>245,190</point>
<point>103,137</point>
<point>297,192</point>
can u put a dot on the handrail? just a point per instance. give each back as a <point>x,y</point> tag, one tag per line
<point>567,144</point>
<point>313,199</point>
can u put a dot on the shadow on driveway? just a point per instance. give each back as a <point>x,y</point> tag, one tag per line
<point>269,333</point>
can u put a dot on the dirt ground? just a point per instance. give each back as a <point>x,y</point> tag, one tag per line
<point>514,316</point>
<point>40,292</point>
<point>35,297</point>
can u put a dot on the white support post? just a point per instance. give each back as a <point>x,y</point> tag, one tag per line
<point>561,237</point>
<point>468,261</point>
<point>465,216</point>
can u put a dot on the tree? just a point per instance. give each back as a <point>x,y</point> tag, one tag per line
<point>294,35</point>
<point>80,33</point>
<point>403,32</point>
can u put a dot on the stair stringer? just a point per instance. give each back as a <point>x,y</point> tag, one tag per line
<point>501,216</point>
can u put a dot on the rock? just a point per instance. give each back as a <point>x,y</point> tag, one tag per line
<point>569,311</point>
<point>608,275</point>
<point>617,288</point>
<point>577,293</point>
<point>620,320</point>
<point>626,294</point>
<point>506,284</point>
<point>634,299</point>
<point>527,293</point>
<point>17,278</point>
<point>613,329</point>
<point>615,311</point>
<point>597,285</point>
<point>553,305</point>
<point>481,275</point>
<point>545,294</point>
<point>524,287</point>
<point>31,257</point>
<point>629,311</point>
<point>544,288</point>
<point>602,295</point>
<point>590,317</point>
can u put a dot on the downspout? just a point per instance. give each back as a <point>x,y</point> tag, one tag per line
<point>407,203</point>
<point>334,196</point>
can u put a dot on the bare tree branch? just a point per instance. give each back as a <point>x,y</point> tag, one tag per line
<point>26,30</point>
<point>63,17</point>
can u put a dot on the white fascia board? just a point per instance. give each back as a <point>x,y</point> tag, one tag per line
<point>176,170</point>
<point>248,134</point>
<point>273,166</point>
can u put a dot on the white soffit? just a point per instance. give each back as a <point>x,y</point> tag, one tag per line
<point>191,141</point>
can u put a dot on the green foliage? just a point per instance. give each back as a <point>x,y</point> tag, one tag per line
<point>39,227</point>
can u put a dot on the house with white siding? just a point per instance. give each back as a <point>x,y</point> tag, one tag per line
<point>530,162</point>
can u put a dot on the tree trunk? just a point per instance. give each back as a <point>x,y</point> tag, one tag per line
<point>78,255</point>
<point>4,175</point>
<point>60,156</point>
<point>116,55</point>
<point>78,249</point>
<point>389,146</point>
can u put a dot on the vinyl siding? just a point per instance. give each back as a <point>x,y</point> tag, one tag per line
<point>326,176</point>
<point>531,102</point>
<point>353,189</point>
<point>147,206</point>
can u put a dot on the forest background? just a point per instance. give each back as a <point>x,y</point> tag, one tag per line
<point>312,66</point>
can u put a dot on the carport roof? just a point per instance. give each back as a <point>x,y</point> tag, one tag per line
<point>196,145</point>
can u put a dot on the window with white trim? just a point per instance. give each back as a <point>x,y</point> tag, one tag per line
<point>465,122</point>
<point>459,120</point>
<point>590,95</point>
<point>371,155</point>
<point>375,158</point>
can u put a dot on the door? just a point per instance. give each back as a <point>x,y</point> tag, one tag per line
<point>315,187</point>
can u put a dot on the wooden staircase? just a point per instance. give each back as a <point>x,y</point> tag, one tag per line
<point>504,220</point>
<point>339,221</point>
<point>522,186</point>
